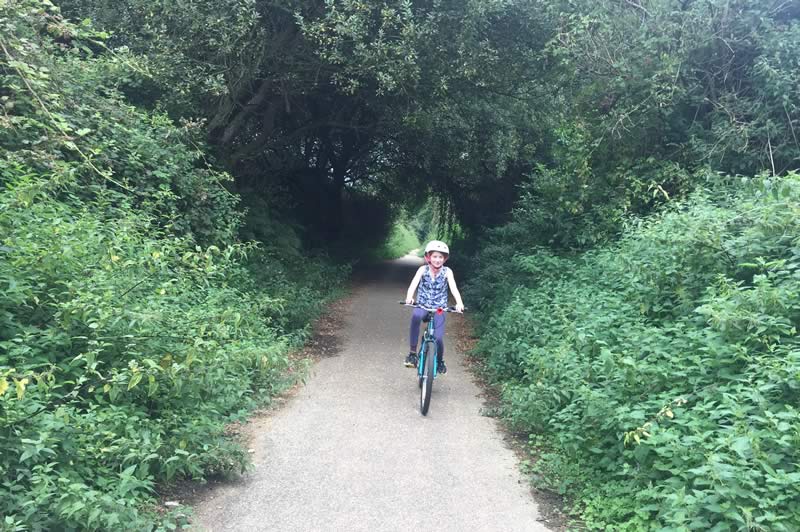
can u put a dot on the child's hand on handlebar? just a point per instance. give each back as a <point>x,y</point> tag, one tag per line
<point>459,308</point>
<point>409,301</point>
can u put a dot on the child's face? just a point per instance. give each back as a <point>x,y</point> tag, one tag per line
<point>437,259</point>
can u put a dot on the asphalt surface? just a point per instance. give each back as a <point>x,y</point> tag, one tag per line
<point>350,451</point>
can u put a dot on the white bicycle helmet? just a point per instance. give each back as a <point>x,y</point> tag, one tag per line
<point>437,245</point>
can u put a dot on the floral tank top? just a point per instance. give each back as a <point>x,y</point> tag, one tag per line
<point>433,292</point>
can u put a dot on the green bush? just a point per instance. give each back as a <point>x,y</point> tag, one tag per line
<point>665,365</point>
<point>122,354</point>
<point>133,325</point>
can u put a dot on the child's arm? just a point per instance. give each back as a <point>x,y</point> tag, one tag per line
<point>451,281</point>
<point>413,286</point>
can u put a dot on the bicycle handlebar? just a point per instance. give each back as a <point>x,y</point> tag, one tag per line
<point>443,309</point>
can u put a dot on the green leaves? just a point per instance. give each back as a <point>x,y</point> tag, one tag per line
<point>129,348</point>
<point>667,361</point>
<point>70,121</point>
<point>132,327</point>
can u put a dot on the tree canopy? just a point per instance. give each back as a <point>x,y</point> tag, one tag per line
<point>623,101</point>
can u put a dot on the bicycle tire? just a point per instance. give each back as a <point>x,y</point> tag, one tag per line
<point>426,390</point>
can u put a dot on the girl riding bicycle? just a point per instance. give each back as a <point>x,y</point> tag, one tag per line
<point>433,280</point>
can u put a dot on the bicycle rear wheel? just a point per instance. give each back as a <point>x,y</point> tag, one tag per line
<point>426,387</point>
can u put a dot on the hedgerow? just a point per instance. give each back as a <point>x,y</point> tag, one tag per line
<point>123,354</point>
<point>134,325</point>
<point>658,376</point>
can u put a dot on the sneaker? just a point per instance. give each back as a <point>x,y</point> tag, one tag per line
<point>441,367</point>
<point>411,360</point>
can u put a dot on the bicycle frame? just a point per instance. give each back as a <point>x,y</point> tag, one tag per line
<point>428,337</point>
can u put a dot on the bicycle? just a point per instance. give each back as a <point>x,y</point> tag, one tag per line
<point>427,359</point>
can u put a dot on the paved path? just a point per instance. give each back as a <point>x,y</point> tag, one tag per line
<point>351,452</point>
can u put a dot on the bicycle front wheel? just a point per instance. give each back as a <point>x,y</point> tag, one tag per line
<point>426,388</point>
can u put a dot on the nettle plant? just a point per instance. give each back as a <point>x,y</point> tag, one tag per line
<point>666,365</point>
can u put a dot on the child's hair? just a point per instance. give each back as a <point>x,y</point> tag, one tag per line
<point>427,257</point>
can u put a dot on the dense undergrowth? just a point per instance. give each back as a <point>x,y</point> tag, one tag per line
<point>658,375</point>
<point>133,322</point>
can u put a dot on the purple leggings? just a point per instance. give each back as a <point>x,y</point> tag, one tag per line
<point>438,332</point>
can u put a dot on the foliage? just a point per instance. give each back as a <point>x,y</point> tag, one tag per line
<point>192,55</point>
<point>609,108</point>
<point>63,115</point>
<point>664,365</point>
<point>133,326</point>
<point>604,109</point>
<point>125,350</point>
<point>543,127</point>
<point>401,240</point>
<point>646,96</point>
